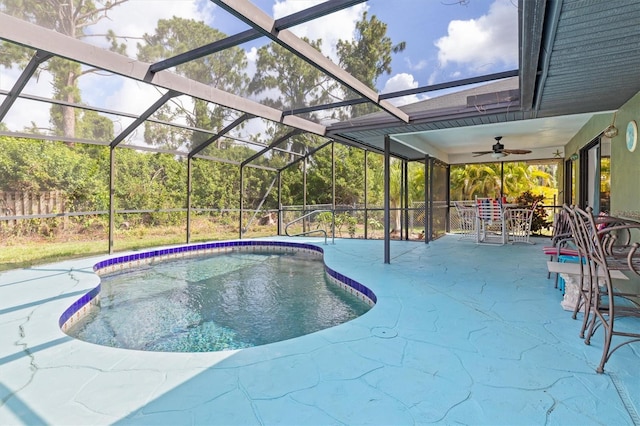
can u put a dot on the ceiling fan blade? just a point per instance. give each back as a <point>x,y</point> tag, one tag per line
<point>478,154</point>
<point>516,151</point>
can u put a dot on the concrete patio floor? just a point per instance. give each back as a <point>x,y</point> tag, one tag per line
<point>461,333</point>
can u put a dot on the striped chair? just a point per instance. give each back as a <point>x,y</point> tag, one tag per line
<point>490,223</point>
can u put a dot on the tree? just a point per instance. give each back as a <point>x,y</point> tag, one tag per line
<point>368,56</point>
<point>223,70</point>
<point>471,180</point>
<point>483,180</point>
<point>68,17</point>
<point>149,181</point>
<point>294,82</point>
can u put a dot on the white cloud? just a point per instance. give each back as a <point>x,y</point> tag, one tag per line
<point>23,112</point>
<point>398,82</point>
<point>402,81</point>
<point>337,26</point>
<point>133,19</point>
<point>136,17</point>
<point>422,64</point>
<point>491,39</point>
<point>133,96</point>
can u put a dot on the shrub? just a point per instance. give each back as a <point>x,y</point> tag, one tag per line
<point>539,220</point>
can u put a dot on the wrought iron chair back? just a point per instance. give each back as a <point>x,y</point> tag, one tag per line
<point>603,303</point>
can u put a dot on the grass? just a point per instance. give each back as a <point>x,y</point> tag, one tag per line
<point>33,249</point>
<point>27,251</point>
<point>33,253</point>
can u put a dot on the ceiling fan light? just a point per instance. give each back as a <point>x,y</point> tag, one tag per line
<point>497,155</point>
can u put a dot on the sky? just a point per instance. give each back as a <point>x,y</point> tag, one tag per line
<point>445,40</point>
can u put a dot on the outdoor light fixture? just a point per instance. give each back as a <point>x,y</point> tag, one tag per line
<point>611,131</point>
<point>497,155</point>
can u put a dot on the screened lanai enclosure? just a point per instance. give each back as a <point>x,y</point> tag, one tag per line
<point>129,123</point>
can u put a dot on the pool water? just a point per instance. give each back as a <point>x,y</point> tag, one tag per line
<point>227,301</point>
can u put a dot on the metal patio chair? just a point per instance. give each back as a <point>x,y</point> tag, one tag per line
<point>561,241</point>
<point>466,212</point>
<point>519,224</point>
<point>604,304</point>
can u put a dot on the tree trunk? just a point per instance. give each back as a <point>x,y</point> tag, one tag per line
<point>68,113</point>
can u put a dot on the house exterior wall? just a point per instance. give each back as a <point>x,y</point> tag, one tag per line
<point>625,165</point>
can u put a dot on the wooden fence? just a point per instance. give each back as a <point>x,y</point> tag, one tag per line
<point>16,204</point>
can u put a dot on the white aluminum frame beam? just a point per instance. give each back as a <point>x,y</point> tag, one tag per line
<point>314,12</point>
<point>36,37</point>
<point>254,16</point>
<point>22,81</point>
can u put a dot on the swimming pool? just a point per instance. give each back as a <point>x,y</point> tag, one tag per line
<point>247,296</point>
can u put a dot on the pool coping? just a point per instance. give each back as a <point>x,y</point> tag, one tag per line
<point>88,302</point>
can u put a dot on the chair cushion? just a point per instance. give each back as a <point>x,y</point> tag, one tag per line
<point>549,250</point>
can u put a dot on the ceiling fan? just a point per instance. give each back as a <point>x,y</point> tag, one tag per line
<point>498,150</point>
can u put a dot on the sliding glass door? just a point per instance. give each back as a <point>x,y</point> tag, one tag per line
<point>595,177</point>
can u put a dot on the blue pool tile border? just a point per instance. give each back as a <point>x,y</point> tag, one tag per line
<point>84,304</point>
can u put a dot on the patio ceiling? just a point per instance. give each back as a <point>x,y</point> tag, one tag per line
<point>577,58</point>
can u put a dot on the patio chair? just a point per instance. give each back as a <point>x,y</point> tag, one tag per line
<point>616,236</point>
<point>604,304</point>
<point>519,224</point>
<point>561,240</point>
<point>491,227</point>
<point>467,218</point>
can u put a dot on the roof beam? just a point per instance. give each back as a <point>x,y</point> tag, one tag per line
<point>205,50</point>
<point>310,153</point>
<point>252,34</point>
<point>270,147</point>
<point>227,129</point>
<point>27,34</point>
<point>254,16</point>
<point>234,163</point>
<point>39,57</point>
<point>423,89</point>
<point>141,119</point>
<point>313,108</point>
<point>450,84</point>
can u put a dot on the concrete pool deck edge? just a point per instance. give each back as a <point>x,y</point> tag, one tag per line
<point>449,341</point>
